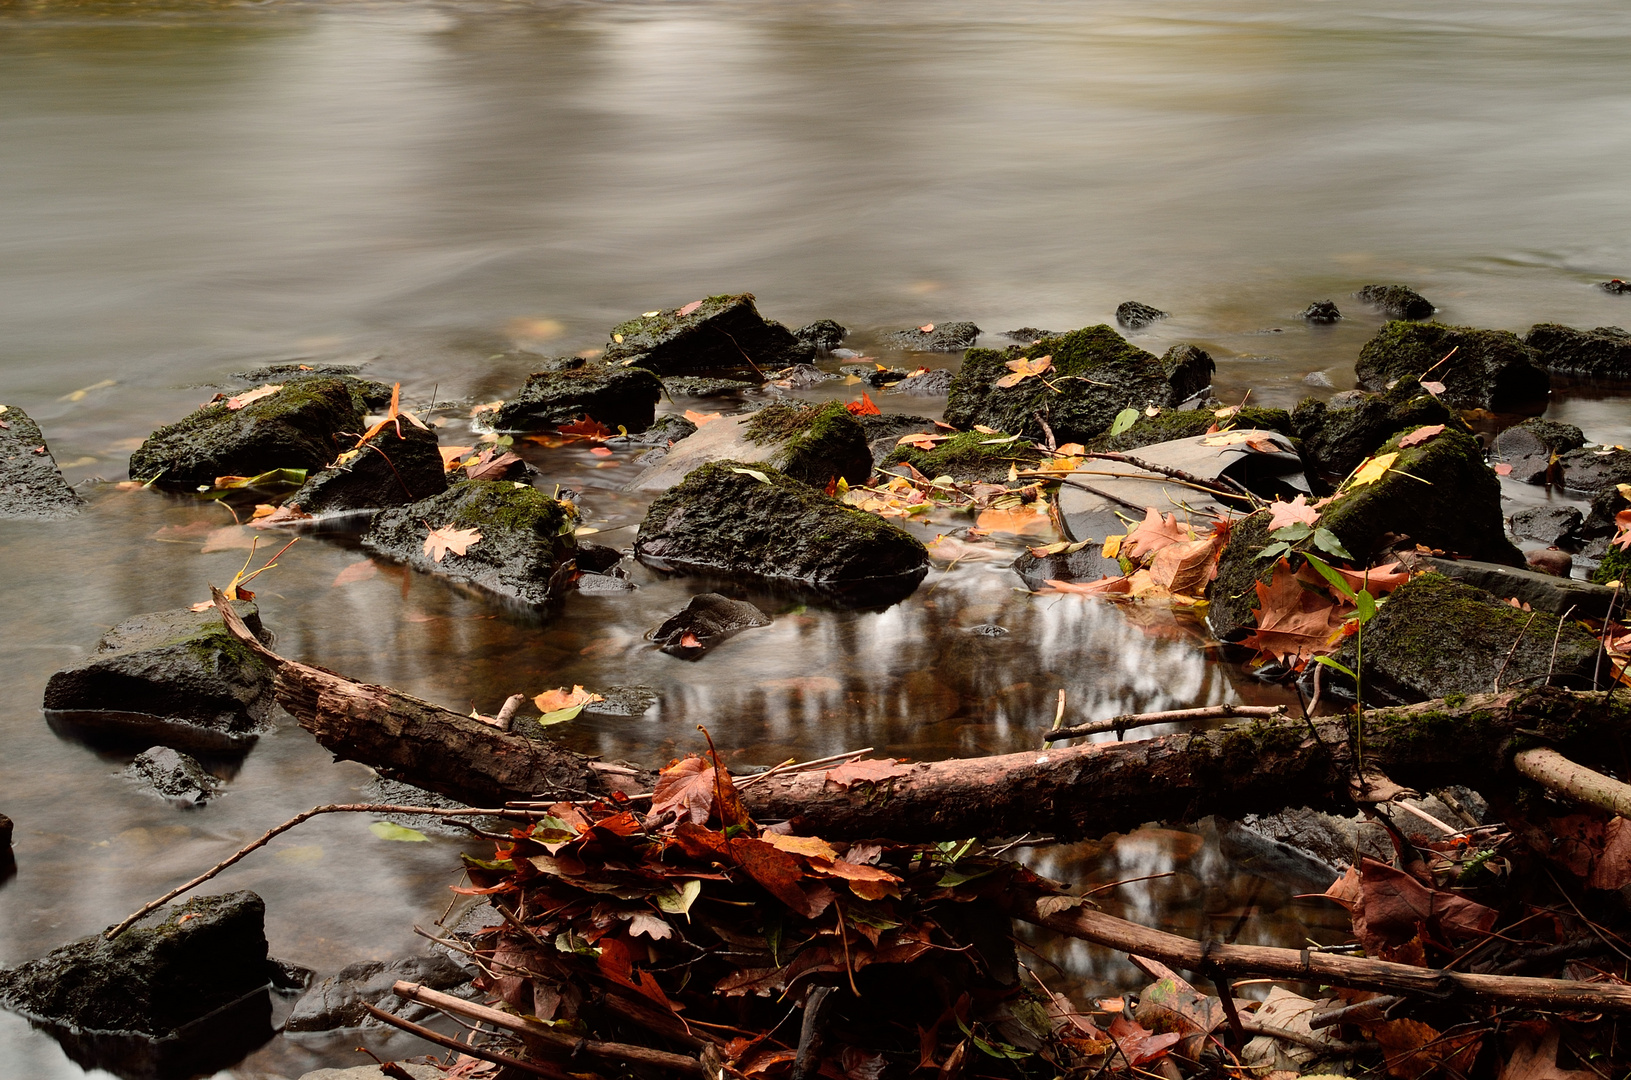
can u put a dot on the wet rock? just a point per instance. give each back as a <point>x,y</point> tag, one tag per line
<point>1551,561</point>
<point>31,485</point>
<point>1028,334</point>
<point>1542,592</point>
<point>173,967</point>
<point>616,395</point>
<point>173,775</point>
<point>337,1001</point>
<point>1396,301</point>
<point>1272,859</point>
<point>970,456</point>
<point>705,622</point>
<point>1615,285</point>
<point>883,431</point>
<point>1435,637</point>
<point>1339,434</point>
<point>388,470</point>
<point>725,520</point>
<point>825,335</point>
<point>176,678</point>
<point>664,430</point>
<point>943,337</point>
<point>1529,447</point>
<point>526,548</point>
<point>811,443</point>
<point>1548,524</point>
<point>6,828</point>
<point>800,376</point>
<point>1486,369</point>
<point>699,387</point>
<point>296,428</point>
<point>621,702</point>
<point>722,334</point>
<point>1595,468</point>
<point>1603,353</point>
<point>936,383</point>
<point>1087,563</point>
<point>1095,374</point>
<point>1171,424</point>
<point>1322,311</point>
<point>1335,841</point>
<point>369,395</point>
<point>1136,316</point>
<point>874,374</point>
<point>600,571</point>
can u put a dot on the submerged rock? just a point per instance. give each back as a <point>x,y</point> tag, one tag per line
<point>173,967</point>
<point>664,430</point>
<point>388,470</point>
<point>941,337</point>
<point>1094,374</point>
<point>722,518</point>
<point>617,396</point>
<point>720,334</point>
<point>298,427</point>
<point>1548,524</point>
<point>1531,446</point>
<point>177,678</point>
<point>969,456</point>
<point>815,444</point>
<point>1136,316</point>
<point>1170,424</point>
<point>31,485</point>
<point>1485,369</point>
<point>936,383</point>
<point>526,545</point>
<point>1603,353</point>
<point>337,1001</point>
<point>173,775</point>
<point>1397,301</point>
<point>1615,285</point>
<point>1322,311</point>
<point>1339,434</point>
<point>705,622</point>
<point>825,335</point>
<point>1595,468</point>
<point>1435,637</point>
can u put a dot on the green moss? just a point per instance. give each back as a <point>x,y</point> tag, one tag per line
<point>1335,440</point>
<point>665,323</point>
<point>510,507</point>
<point>1616,566</point>
<point>1172,424</point>
<point>818,443</point>
<point>780,421</point>
<point>1455,701</point>
<point>970,456</point>
<point>1234,592</point>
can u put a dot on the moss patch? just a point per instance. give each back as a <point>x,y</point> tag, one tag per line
<point>819,443</point>
<point>1172,424</point>
<point>970,456</point>
<point>1616,566</point>
<point>1336,439</point>
<point>1488,369</point>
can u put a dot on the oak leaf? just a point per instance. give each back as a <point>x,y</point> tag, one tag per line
<point>866,771</point>
<point>1297,618</point>
<point>586,428</point>
<point>441,541</point>
<point>1023,369</point>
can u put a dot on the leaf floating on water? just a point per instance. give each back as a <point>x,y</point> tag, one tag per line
<point>357,571</point>
<point>1105,586</point>
<point>1420,435</point>
<point>386,830</point>
<point>864,407</point>
<point>447,538</point>
<point>556,700</point>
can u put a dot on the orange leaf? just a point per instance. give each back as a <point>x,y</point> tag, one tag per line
<point>1420,435</point>
<point>357,571</point>
<point>921,441</point>
<point>688,308</point>
<point>1186,567</point>
<point>864,407</point>
<point>1296,619</point>
<point>1024,369</point>
<point>1155,533</point>
<point>556,700</point>
<point>1297,510</point>
<point>812,846</point>
<point>1021,521</point>
<point>447,538</point>
<point>927,328</point>
<point>587,428</point>
<point>1503,469</point>
<point>236,403</point>
<point>600,451</point>
<point>689,640</point>
<point>1104,585</point>
<point>700,418</point>
<point>686,788</point>
<point>451,455</point>
<point>866,771</point>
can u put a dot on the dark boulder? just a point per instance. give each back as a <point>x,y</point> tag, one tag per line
<point>936,383</point>
<point>1085,563</point>
<point>1094,374</point>
<point>1029,334</point>
<point>31,485</point>
<point>1170,424</point>
<point>298,427</point>
<point>526,545</point>
<point>824,335</point>
<point>1337,435</point>
<point>969,456</point>
<point>173,775</point>
<point>1485,369</point>
<point>6,827</point>
<point>177,678</point>
<point>1396,301</point>
<point>1605,507</point>
<point>617,396</point>
<point>874,374</point>
<point>883,431</point>
<point>940,337</point>
<point>1136,316</point>
<point>1603,353</point>
<point>1322,311</point>
<point>700,387</point>
<point>717,335</point>
<point>705,622</point>
<point>665,430</point>
<point>1559,525</point>
<point>725,518</point>
<point>1434,637</point>
<point>1592,469</point>
<point>800,377</point>
<point>369,395</point>
<point>1531,447</point>
<point>1542,592</point>
<point>390,469</point>
<point>1615,285</point>
<point>337,1001</point>
<point>812,443</point>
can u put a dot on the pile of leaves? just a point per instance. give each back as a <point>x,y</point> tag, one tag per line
<point>1163,559</point>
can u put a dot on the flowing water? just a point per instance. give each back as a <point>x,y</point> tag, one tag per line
<point>187,190</point>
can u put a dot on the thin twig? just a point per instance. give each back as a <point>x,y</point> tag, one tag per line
<point>1551,665</point>
<point>1126,721</point>
<point>532,1068</point>
<point>1510,653</point>
<point>802,766</point>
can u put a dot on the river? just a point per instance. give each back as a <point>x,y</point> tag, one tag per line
<point>190,189</point>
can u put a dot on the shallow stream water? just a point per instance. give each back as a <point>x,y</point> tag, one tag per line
<point>188,190</point>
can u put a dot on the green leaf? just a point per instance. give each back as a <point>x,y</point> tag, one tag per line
<point>1274,551</point>
<point>487,864</point>
<point>559,716</point>
<point>679,901</point>
<point>755,473</point>
<point>1125,419</point>
<point>1331,576</point>
<point>773,933</point>
<point>385,830</point>
<point>1326,540</point>
<point>1330,663</point>
<point>1367,606</point>
<point>1297,530</point>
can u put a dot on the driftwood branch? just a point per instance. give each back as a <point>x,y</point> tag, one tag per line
<point>1554,772</point>
<point>1129,721</point>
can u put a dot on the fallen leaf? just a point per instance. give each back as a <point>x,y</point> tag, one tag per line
<point>686,788</point>
<point>688,308</point>
<point>951,549</point>
<point>1434,388</point>
<point>488,467</point>
<point>1412,1049</point>
<point>250,396</point>
<point>226,539</point>
<point>1420,435</point>
<point>644,922</point>
<point>1373,469</point>
<point>1282,514</point>
<point>921,441</point>
<point>1024,369</point>
<point>556,700</point>
<point>1139,1044</point>
<point>601,451</point>
<point>586,428</point>
<point>361,570</point>
<point>447,538</point>
<point>1296,619</point>
<point>1104,586</point>
<point>1503,469</point>
<point>1535,1058</point>
<point>1229,438</point>
<point>701,418</point>
<point>802,845</point>
<point>866,771</point>
<point>689,640</point>
<point>451,455</point>
<point>864,407</point>
<point>926,328</point>
<point>1019,522</point>
<point>1155,533</point>
<point>1186,567</point>
<point>387,830</point>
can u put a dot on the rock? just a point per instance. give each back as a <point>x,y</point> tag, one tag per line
<point>1322,311</point>
<point>970,456</point>
<point>1339,434</point>
<point>1594,469</point>
<point>883,431</point>
<point>616,396</point>
<point>1542,592</point>
<point>1087,563</point>
<point>1136,316</point>
<point>620,702</point>
<point>6,828</point>
<point>1487,369</point>
<point>526,548</point>
<point>1615,285</point>
<point>665,430</point>
<point>1285,862</point>
<point>173,967</point>
<point>1170,424</point>
<point>722,334</point>
<point>31,485</point>
<point>703,623</point>
<point>942,337</point>
<point>1603,353</point>
<point>874,374</point>
<point>173,775</point>
<point>811,443</point>
<point>801,376</point>
<point>296,428</point>
<point>1616,566</point>
<point>337,1001</point>
<point>369,395</point>
<point>1529,447</point>
<point>696,386</point>
<point>1548,524</point>
<point>1435,637</point>
<point>721,519</point>
<point>1551,561</point>
<point>388,470</point>
<point>176,678</point>
<point>936,383</point>
<point>1095,374</point>
<point>824,335</point>
<point>1029,334</point>
<point>1396,301</point>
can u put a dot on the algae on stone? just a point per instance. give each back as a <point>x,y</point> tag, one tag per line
<point>722,334</point>
<point>818,442</point>
<point>969,456</point>
<point>615,395</point>
<point>1480,369</point>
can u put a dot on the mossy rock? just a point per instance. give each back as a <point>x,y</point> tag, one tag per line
<point>370,395</point>
<point>174,678</point>
<point>1397,301</point>
<point>945,337</point>
<point>1233,592</point>
<point>724,334</point>
<point>1095,374</point>
<point>388,470</point>
<point>1603,353</point>
<point>526,546</point>
<point>31,485</point>
<point>1338,435</point>
<point>1433,637</point>
<point>296,428</point>
<point>1489,369</point>
<point>617,396</point>
<point>722,518</point>
<point>1171,424</point>
<point>969,456</point>
<point>818,443</point>
<point>1616,566</point>
<point>173,967</point>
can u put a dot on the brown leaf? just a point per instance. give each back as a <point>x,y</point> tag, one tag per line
<point>1103,586</point>
<point>1186,567</point>
<point>556,700</point>
<point>441,541</point>
<point>1412,1049</point>
<point>1535,1058</point>
<point>487,467</point>
<point>1394,907</point>
<point>1296,619</point>
<point>586,428</point>
<point>780,874</point>
<point>1139,1044</point>
<point>866,771</point>
<point>813,846</point>
<point>1282,514</point>
<point>250,396</point>
<point>1420,435</point>
<point>687,789</point>
<point>1154,533</point>
<point>361,570</point>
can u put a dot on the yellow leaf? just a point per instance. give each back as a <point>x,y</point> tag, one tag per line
<point>1112,545</point>
<point>812,846</point>
<point>1374,469</point>
<point>447,538</point>
<point>1023,369</point>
